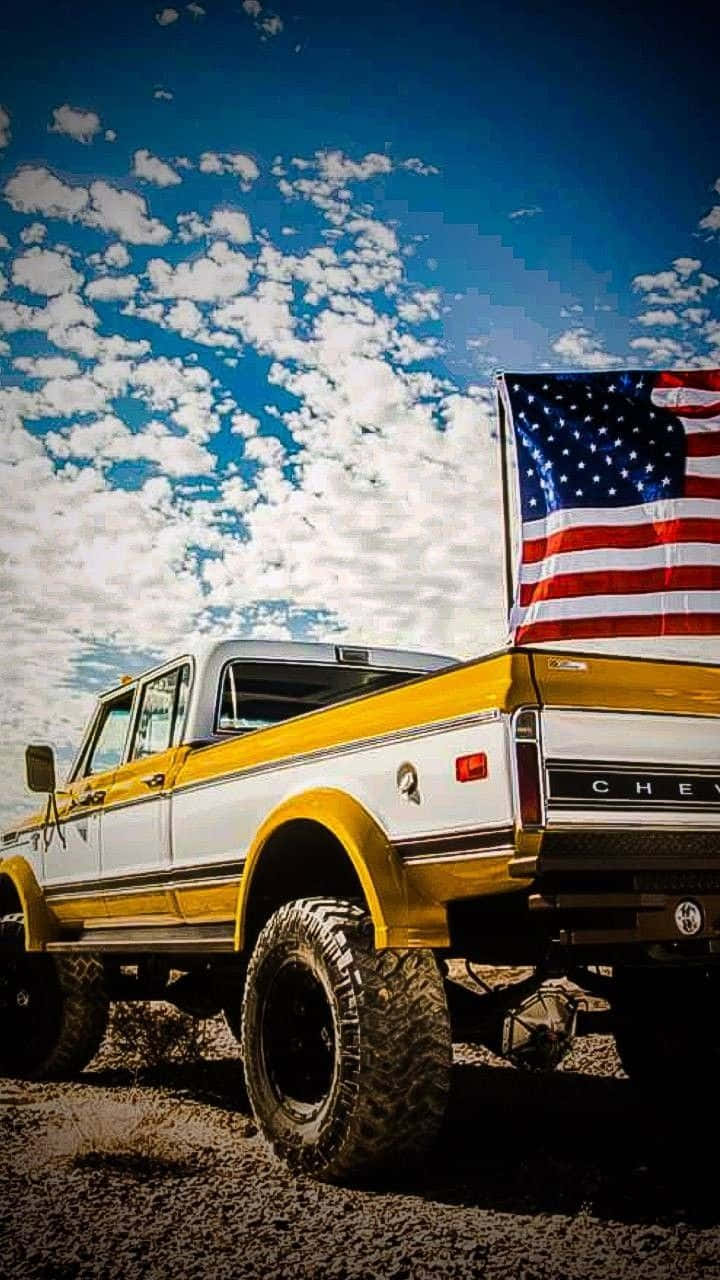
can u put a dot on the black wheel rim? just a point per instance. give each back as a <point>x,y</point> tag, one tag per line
<point>298,1039</point>
<point>30,1011</point>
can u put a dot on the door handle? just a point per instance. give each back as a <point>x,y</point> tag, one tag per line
<point>155,780</point>
<point>90,797</point>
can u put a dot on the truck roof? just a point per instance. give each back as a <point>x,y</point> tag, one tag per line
<point>210,657</point>
<point>216,652</point>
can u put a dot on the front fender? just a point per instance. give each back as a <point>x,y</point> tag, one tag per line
<point>41,926</point>
<point>400,915</point>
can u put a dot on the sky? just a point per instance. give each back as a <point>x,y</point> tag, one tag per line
<point>258,266</point>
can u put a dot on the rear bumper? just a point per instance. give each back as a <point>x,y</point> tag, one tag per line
<point>608,888</point>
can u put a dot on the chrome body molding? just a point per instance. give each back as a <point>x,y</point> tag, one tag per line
<point>149,881</point>
<point>343,749</point>
<point>451,846</point>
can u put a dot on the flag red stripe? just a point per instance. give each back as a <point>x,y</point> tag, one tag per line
<point>703,444</point>
<point>592,537</point>
<point>669,624</point>
<point>700,379</point>
<point>702,487</point>
<point>622,582</point>
<point>696,410</point>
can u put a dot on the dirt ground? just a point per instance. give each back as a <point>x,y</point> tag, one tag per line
<point>161,1173</point>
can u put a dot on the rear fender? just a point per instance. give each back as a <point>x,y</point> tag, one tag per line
<point>401,917</point>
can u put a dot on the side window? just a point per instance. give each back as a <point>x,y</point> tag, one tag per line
<point>162,712</point>
<point>109,745</point>
<point>181,702</point>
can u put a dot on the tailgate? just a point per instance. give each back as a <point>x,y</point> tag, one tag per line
<point>629,742</point>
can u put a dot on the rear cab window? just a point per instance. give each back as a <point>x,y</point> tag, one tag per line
<point>255,695</point>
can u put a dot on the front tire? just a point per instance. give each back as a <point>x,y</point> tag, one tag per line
<point>53,1009</point>
<point>347,1050</point>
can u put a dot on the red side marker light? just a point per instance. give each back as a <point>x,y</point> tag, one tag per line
<point>471,768</point>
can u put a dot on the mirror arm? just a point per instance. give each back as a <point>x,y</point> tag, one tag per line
<point>52,812</point>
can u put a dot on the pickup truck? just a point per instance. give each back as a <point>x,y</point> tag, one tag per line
<point>313,837</point>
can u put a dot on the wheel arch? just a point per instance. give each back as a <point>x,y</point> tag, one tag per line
<point>344,853</point>
<point>20,892</point>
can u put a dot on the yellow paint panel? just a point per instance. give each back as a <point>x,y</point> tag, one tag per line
<point>140,905</point>
<point>74,911</point>
<point>463,878</point>
<point>500,682</point>
<point>209,903</point>
<point>132,781</point>
<point>629,684</point>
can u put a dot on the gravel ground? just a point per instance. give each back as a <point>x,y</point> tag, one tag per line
<point>538,1176</point>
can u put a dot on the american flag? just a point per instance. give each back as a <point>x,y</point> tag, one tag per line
<point>619,482</point>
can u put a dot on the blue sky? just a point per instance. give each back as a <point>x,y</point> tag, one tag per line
<point>258,263</point>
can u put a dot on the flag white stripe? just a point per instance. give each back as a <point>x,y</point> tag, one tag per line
<point>669,397</point>
<point>646,603</point>
<point>627,558</point>
<point>694,426</point>
<point>646,513</point>
<point>703,466</point>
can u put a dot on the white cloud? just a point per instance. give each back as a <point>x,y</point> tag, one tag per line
<point>166,16</point>
<point>229,162</point>
<point>415,165</point>
<point>221,274</point>
<point>152,169</point>
<point>530,211</point>
<point>109,288</point>
<point>658,317</point>
<point>116,255</point>
<point>47,366</point>
<point>37,190</point>
<point>196,10</point>
<point>110,135</point>
<point>339,168</point>
<point>4,242</point>
<point>585,350</point>
<point>108,441</point>
<point>266,23</point>
<point>75,123</point>
<point>664,351</point>
<point>34,233</point>
<point>45,271</point>
<point>683,283</point>
<point>244,424</point>
<point>5,134</point>
<point>163,95</point>
<point>125,214</point>
<point>228,224</point>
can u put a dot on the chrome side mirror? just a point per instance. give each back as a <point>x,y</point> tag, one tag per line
<point>40,768</point>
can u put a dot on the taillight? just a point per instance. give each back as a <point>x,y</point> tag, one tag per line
<point>471,768</point>
<point>527,757</point>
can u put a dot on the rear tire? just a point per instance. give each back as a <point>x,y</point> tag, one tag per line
<point>53,1009</point>
<point>347,1050</point>
<point>666,1027</point>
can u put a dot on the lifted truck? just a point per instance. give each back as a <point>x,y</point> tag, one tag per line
<point>304,835</point>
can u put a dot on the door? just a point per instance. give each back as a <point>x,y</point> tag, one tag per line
<point>136,816</point>
<point>72,860</point>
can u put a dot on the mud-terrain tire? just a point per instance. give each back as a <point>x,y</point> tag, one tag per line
<point>347,1050</point>
<point>666,1026</point>
<point>53,1009</point>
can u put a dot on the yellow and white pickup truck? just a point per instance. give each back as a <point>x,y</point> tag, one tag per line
<point>304,835</point>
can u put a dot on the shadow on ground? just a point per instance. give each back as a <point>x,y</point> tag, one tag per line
<point>517,1142</point>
